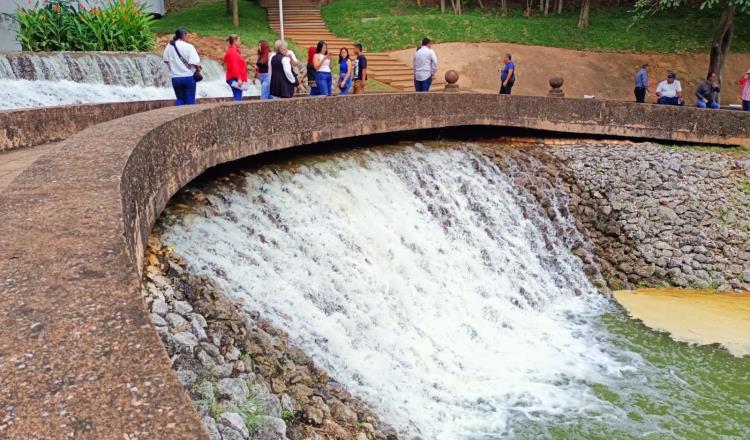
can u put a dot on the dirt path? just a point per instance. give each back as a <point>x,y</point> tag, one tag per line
<point>604,75</point>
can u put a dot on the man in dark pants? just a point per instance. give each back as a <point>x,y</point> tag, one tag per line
<point>641,84</point>
<point>508,75</point>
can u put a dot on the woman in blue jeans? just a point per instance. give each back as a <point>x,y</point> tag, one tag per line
<point>183,62</point>
<point>322,65</point>
<point>261,69</point>
<point>345,71</point>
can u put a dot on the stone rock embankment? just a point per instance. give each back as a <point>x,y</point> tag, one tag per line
<point>651,215</point>
<point>246,380</point>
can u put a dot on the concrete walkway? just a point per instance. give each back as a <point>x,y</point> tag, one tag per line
<point>304,25</point>
<point>14,162</point>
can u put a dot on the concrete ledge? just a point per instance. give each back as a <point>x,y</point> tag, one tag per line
<point>36,126</point>
<point>78,353</point>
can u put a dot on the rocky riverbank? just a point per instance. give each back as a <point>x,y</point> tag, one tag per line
<point>650,215</point>
<point>246,379</point>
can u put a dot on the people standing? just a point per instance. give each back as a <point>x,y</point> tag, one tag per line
<point>508,75</point>
<point>345,72</point>
<point>360,70</point>
<point>322,65</point>
<point>184,67</point>
<point>236,67</point>
<point>311,84</point>
<point>261,69</point>
<point>425,66</point>
<point>283,80</point>
<point>707,93</point>
<point>669,91</point>
<point>641,84</point>
<point>745,91</point>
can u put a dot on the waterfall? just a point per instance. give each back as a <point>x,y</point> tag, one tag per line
<point>58,78</point>
<point>415,277</point>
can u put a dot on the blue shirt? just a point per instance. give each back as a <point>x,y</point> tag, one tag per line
<point>506,69</point>
<point>641,79</point>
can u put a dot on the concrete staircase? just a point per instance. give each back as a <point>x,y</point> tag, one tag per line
<point>304,25</point>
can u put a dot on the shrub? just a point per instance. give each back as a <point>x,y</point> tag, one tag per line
<point>119,25</point>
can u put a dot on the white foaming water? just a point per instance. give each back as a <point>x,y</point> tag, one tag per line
<point>30,80</point>
<point>414,277</point>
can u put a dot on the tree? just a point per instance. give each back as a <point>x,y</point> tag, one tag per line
<point>722,39</point>
<point>504,8</point>
<point>583,19</point>
<point>235,13</point>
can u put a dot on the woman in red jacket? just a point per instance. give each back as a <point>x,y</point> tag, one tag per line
<point>236,67</point>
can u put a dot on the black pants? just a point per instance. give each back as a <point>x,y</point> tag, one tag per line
<point>640,94</point>
<point>505,89</point>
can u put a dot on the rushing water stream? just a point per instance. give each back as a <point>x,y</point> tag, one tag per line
<point>415,276</point>
<point>58,78</point>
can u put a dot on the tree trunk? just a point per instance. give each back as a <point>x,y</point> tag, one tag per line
<point>442,6</point>
<point>236,13</point>
<point>722,42</point>
<point>559,7</point>
<point>504,8</point>
<point>546,7</point>
<point>541,5</point>
<point>583,19</point>
<point>456,6</point>
<point>480,4</point>
<point>529,9</point>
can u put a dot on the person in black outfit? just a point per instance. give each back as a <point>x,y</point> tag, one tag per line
<point>283,80</point>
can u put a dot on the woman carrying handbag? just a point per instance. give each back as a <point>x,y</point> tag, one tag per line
<point>184,65</point>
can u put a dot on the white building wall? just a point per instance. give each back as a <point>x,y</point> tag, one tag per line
<point>8,26</point>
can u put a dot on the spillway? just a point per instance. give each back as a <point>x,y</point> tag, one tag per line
<point>420,280</point>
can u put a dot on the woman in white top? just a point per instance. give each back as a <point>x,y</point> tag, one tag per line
<point>322,65</point>
<point>183,62</point>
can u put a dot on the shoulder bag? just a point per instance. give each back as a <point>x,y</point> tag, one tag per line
<point>197,75</point>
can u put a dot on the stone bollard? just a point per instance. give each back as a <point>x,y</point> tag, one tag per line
<point>451,81</point>
<point>556,83</point>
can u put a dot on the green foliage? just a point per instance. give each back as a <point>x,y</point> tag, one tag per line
<point>251,410</point>
<point>288,416</point>
<point>392,24</point>
<point>120,25</point>
<point>646,7</point>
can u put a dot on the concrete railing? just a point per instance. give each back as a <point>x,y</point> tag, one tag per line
<point>36,126</point>
<point>78,353</point>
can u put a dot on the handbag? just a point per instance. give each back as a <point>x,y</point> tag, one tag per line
<point>197,75</point>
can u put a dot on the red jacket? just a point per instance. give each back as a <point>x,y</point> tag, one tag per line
<point>235,64</point>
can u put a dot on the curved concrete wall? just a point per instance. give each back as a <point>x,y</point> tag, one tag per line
<point>77,350</point>
<point>36,126</point>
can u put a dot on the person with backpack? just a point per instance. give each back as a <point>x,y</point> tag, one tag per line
<point>508,75</point>
<point>184,66</point>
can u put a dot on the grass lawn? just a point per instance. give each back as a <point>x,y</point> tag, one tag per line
<point>211,19</point>
<point>397,24</point>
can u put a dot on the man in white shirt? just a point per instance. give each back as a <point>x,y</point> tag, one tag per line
<point>425,66</point>
<point>669,91</point>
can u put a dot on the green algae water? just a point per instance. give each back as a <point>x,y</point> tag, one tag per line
<point>678,391</point>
